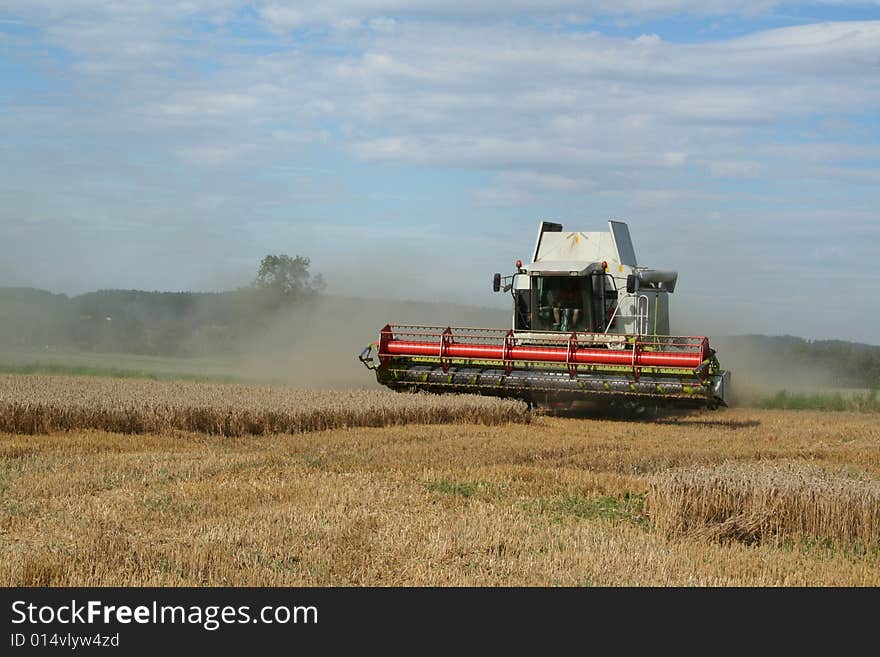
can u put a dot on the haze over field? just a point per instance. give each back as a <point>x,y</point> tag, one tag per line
<point>315,342</point>
<point>319,347</point>
<point>410,148</point>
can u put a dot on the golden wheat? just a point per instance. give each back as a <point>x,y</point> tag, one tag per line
<point>761,502</point>
<point>458,504</point>
<point>42,404</point>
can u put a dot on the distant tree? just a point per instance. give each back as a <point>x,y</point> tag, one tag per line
<point>288,278</point>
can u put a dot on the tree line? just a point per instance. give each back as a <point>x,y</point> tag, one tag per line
<point>157,323</point>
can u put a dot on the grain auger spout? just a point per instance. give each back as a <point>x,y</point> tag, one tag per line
<point>588,324</point>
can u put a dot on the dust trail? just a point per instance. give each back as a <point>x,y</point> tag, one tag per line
<point>759,364</point>
<point>318,345</point>
<point>762,365</point>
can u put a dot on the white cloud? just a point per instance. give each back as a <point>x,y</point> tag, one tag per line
<point>674,158</point>
<point>206,104</point>
<point>285,17</point>
<point>648,39</point>
<point>212,155</point>
<point>385,25</point>
<point>735,169</point>
<point>296,13</point>
<point>538,181</point>
<point>501,197</point>
<point>488,96</point>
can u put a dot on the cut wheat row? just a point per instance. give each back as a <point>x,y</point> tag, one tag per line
<point>767,503</point>
<point>43,404</point>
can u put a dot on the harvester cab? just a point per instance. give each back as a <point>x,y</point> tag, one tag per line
<point>588,282</point>
<point>588,323</point>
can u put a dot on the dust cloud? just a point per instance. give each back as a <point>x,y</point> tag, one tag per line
<point>317,345</point>
<point>759,364</point>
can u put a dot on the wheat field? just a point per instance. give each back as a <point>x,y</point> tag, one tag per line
<point>41,404</point>
<point>556,501</point>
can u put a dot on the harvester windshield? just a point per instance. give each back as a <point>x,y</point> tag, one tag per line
<point>565,302</point>
<point>561,303</point>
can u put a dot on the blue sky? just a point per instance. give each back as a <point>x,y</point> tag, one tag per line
<point>410,148</point>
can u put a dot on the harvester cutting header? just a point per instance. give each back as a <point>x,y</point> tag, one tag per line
<point>589,324</point>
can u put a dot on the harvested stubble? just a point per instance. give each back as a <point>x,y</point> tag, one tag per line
<point>439,505</point>
<point>43,404</point>
<point>765,503</point>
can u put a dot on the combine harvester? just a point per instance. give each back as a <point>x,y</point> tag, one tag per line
<point>589,324</point>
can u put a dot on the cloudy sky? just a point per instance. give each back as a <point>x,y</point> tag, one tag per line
<point>409,147</point>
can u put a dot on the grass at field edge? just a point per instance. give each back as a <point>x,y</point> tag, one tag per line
<point>114,373</point>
